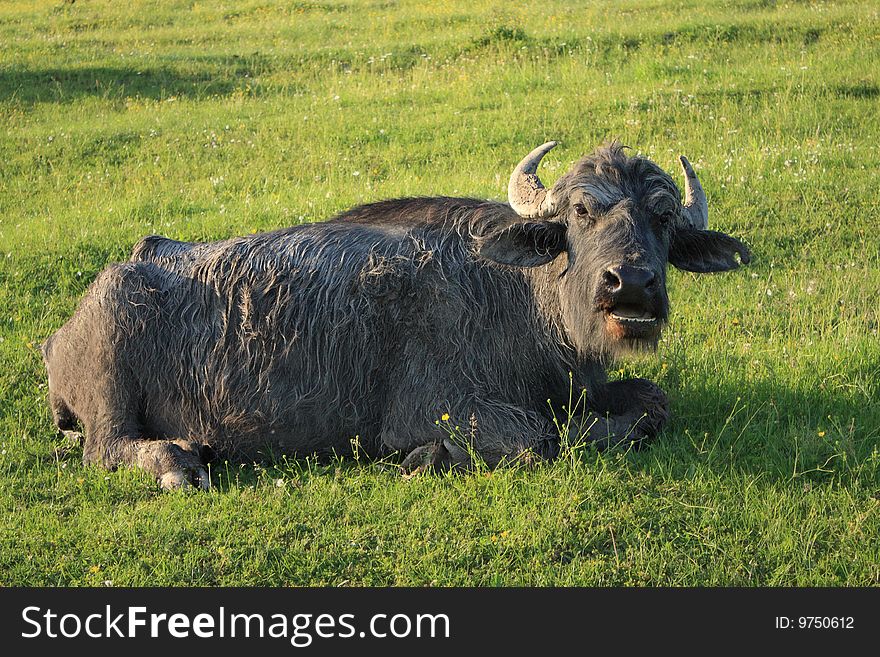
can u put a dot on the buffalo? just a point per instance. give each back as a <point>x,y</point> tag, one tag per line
<point>446,329</point>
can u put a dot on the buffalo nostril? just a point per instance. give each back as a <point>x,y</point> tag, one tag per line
<point>611,279</point>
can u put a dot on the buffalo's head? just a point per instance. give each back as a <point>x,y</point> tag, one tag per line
<point>617,220</point>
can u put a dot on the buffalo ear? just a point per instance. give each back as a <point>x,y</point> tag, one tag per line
<point>706,251</point>
<point>524,244</point>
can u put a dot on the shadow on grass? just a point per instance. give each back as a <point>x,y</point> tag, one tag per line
<point>771,430</point>
<point>62,85</point>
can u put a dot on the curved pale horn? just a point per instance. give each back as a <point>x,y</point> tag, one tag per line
<point>696,210</point>
<point>525,193</point>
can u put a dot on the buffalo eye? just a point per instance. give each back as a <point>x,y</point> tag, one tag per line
<point>580,209</point>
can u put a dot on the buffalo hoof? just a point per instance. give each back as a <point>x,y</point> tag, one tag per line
<point>73,437</point>
<point>436,456</point>
<point>174,463</point>
<point>629,430</point>
<point>70,442</point>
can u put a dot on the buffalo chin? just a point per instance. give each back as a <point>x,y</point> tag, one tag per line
<point>628,334</point>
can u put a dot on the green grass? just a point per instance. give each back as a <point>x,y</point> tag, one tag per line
<point>211,119</point>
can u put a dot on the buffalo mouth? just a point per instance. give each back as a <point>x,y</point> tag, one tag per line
<point>624,321</point>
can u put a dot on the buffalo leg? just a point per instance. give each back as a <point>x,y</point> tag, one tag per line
<point>628,412</point>
<point>93,385</point>
<point>174,463</point>
<point>112,436</point>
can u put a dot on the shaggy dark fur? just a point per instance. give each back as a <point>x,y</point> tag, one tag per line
<point>376,323</point>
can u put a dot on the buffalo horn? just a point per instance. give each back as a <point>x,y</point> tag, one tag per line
<point>525,193</point>
<point>696,210</point>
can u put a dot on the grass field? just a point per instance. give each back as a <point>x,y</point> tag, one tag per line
<point>204,120</point>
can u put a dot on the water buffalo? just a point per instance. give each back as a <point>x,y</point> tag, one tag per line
<point>381,321</point>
